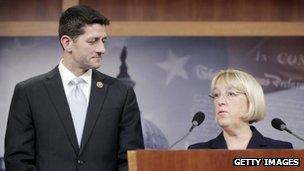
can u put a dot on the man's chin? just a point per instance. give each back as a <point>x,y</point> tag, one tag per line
<point>96,62</point>
<point>92,66</point>
<point>96,66</point>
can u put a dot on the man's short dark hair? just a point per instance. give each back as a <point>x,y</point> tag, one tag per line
<point>73,20</point>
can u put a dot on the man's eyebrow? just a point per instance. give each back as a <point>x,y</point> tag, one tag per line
<point>93,37</point>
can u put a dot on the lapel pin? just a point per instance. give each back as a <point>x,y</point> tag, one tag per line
<point>99,84</point>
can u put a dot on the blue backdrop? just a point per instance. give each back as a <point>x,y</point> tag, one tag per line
<point>172,77</point>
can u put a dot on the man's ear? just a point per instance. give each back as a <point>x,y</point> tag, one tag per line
<point>67,43</point>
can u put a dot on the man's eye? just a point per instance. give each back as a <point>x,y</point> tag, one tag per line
<point>92,41</point>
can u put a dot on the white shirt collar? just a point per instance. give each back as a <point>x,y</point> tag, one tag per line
<point>67,75</point>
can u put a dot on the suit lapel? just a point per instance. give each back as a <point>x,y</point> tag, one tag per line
<point>219,142</point>
<point>55,89</point>
<point>97,97</point>
<point>257,140</point>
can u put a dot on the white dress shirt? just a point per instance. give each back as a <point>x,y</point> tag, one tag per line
<point>67,76</point>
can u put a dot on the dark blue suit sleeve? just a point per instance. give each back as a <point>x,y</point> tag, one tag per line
<point>130,134</point>
<point>20,134</point>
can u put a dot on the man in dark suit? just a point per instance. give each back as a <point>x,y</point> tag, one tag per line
<point>73,117</point>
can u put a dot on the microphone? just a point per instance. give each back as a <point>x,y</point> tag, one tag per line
<point>280,125</point>
<point>198,118</point>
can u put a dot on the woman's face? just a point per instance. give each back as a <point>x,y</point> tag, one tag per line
<point>229,104</point>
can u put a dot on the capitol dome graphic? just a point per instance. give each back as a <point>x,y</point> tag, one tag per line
<point>153,136</point>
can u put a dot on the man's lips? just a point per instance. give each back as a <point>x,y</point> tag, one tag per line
<point>96,58</point>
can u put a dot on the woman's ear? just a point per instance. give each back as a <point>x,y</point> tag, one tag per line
<point>67,43</point>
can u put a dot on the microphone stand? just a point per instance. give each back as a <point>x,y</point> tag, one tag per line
<point>196,121</point>
<point>190,130</point>
<point>294,134</point>
<point>180,140</point>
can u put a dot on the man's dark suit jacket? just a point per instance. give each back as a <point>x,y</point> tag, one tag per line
<point>40,132</point>
<point>257,141</point>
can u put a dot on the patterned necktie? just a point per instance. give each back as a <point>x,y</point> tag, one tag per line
<point>78,106</point>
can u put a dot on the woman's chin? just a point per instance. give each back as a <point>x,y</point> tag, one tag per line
<point>223,122</point>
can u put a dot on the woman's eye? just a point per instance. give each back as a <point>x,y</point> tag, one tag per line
<point>216,95</point>
<point>231,94</point>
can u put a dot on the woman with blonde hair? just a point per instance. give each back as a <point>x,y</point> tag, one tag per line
<point>238,101</point>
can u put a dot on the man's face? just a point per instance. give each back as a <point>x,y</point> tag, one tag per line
<point>89,47</point>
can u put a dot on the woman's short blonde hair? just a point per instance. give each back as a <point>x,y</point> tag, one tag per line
<point>247,84</point>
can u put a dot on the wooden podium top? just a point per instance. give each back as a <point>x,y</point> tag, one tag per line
<point>209,160</point>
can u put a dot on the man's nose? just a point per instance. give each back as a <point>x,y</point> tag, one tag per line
<point>100,48</point>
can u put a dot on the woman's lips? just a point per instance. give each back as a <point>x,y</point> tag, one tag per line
<point>222,113</point>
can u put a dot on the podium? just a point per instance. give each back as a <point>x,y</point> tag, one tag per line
<point>214,160</point>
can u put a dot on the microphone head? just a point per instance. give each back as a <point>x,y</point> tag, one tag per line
<point>198,118</point>
<point>278,124</point>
